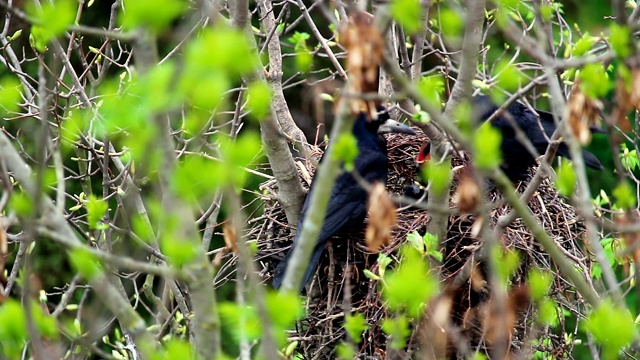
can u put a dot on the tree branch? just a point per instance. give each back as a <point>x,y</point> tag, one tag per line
<point>324,178</point>
<point>128,318</point>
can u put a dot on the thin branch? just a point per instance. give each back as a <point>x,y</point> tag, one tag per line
<point>325,177</point>
<point>56,223</point>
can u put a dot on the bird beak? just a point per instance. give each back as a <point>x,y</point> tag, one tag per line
<point>392,126</point>
<point>424,154</point>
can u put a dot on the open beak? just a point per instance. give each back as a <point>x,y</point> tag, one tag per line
<point>392,126</point>
<point>424,154</point>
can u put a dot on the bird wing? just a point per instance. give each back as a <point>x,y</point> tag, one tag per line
<point>347,204</point>
<point>347,207</point>
<point>589,159</point>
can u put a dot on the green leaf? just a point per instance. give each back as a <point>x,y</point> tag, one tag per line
<point>620,40</point>
<point>222,51</point>
<point>290,348</point>
<point>611,326</point>
<point>508,77</point>
<point>9,93</point>
<point>241,321</point>
<point>46,324</point>
<point>432,88</point>
<point>407,13</point>
<point>299,40</point>
<point>178,251</point>
<point>176,349</point>
<point>39,38</point>
<point>13,328</point>
<point>547,314</point>
<point>539,282</point>
<point>72,127</point>
<point>239,154</point>
<point>583,45</point>
<point>566,179</point>
<point>506,262</point>
<point>486,143</point>
<point>85,263</point>
<point>259,99</point>
<point>625,197</point>
<point>141,228</point>
<point>546,11</point>
<point>398,329</point>
<point>194,177</point>
<point>463,114</point>
<point>53,18</point>
<point>21,204</point>
<point>155,89</point>
<point>432,244</point>
<point>383,262</point>
<point>157,15</point>
<point>594,81</point>
<point>206,93</point>
<point>371,275</point>
<point>596,271</point>
<point>355,324</point>
<point>438,174</point>
<point>304,61</point>
<point>400,290</point>
<point>283,310</point>
<point>95,210</point>
<point>15,35</point>
<point>452,23</point>
<point>346,351</point>
<point>629,158</point>
<point>346,150</point>
<point>416,241</point>
<point>513,4</point>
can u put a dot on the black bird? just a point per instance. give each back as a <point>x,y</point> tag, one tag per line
<point>348,202</point>
<point>516,159</point>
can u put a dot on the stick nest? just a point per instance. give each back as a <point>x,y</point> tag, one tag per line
<point>340,283</point>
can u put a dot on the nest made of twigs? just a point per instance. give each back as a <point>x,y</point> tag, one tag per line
<point>342,285</point>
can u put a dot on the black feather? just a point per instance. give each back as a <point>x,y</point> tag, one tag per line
<point>516,158</point>
<point>347,204</point>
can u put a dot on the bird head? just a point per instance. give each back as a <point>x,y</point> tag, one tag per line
<point>385,125</point>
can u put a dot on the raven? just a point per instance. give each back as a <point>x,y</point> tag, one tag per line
<point>516,159</point>
<point>348,202</point>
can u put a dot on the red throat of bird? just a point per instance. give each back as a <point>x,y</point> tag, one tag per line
<point>424,154</point>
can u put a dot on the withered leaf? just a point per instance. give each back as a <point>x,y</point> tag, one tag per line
<point>631,238</point>
<point>230,236</point>
<point>467,196</point>
<point>382,218</point>
<point>582,113</point>
<point>627,98</point>
<point>365,47</point>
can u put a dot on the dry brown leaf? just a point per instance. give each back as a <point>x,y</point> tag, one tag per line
<point>435,326</point>
<point>627,98</point>
<point>365,49</point>
<point>230,236</point>
<point>217,259</point>
<point>500,321</point>
<point>382,218</point>
<point>631,238</point>
<point>467,196</point>
<point>478,283</point>
<point>582,112</point>
<point>476,227</point>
